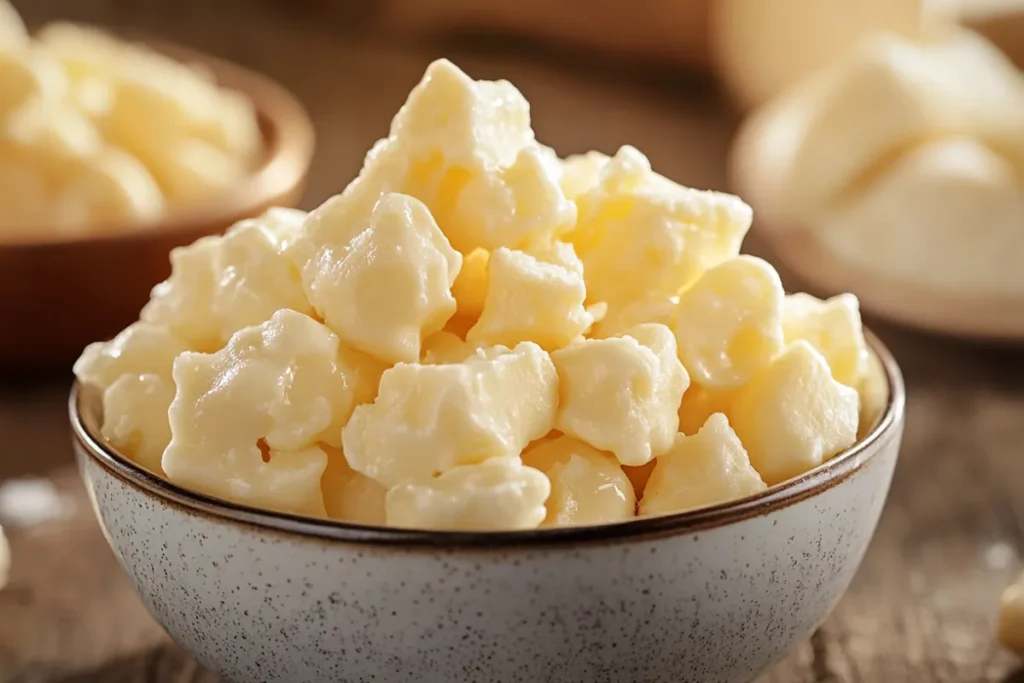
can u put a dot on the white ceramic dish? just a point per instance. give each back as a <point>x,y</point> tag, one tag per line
<point>711,595</point>
<point>754,170</point>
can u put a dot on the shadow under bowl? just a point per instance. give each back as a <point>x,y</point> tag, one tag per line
<point>57,295</point>
<point>714,594</point>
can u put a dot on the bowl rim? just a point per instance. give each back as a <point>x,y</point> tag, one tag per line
<point>787,493</point>
<point>288,139</point>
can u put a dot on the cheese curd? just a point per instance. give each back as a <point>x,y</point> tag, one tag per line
<point>466,149</point>
<point>530,299</point>
<point>152,95</point>
<point>113,188</point>
<point>13,35</point>
<point>902,159</point>
<point>246,421</point>
<point>792,416</point>
<point>473,335</point>
<point>100,135</point>
<point>640,234</point>
<point>519,203</point>
<point>945,216</point>
<point>389,286</point>
<point>832,327</point>
<point>886,96</point>
<point>622,394</point>
<point>706,468</point>
<point>700,403</point>
<point>729,324</point>
<point>470,286</point>
<point>54,139</point>
<point>142,348</point>
<point>587,485</point>
<point>348,495</point>
<point>187,170</point>
<point>219,285</point>
<point>446,347</point>
<point>135,417</point>
<point>28,75</point>
<point>428,419</point>
<point>581,173</point>
<point>654,308</point>
<point>497,494</point>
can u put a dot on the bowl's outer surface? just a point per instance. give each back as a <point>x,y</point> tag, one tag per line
<point>717,605</point>
<point>58,296</point>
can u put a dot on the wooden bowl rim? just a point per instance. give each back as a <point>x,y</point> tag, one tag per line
<point>288,145</point>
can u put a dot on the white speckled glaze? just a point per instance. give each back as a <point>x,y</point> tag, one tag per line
<point>708,596</point>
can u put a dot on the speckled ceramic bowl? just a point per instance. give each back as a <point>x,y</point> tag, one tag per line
<point>709,596</point>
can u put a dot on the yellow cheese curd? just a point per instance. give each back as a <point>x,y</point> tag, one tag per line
<point>348,495</point>
<point>587,485</point>
<point>529,299</point>
<point>478,335</point>
<point>622,394</point>
<point>151,97</point>
<point>135,417</point>
<point>707,468</point>
<point>98,135</point>
<point>247,421</point>
<point>833,327</point>
<point>388,285</point>
<point>465,148</point>
<point>220,284</point>
<point>429,418</point>
<point>497,494</point>
<point>640,235</point>
<point>133,371</point>
<point>793,415</point>
<point>729,324</point>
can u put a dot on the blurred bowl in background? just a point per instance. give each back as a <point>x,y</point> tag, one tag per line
<point>754,169</point>
<point>58,295</point>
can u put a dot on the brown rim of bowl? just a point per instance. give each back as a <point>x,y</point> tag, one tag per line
<point>288,139</point>
<point>819,479</point>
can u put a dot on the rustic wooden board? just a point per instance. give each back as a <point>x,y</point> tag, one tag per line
<point>921,608</point>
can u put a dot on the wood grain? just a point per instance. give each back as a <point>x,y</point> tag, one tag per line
<point>921,608</point>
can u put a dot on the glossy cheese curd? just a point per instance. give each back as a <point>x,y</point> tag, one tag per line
<point>111,135</point>
<point>902,159</point>
<point>475,334</point>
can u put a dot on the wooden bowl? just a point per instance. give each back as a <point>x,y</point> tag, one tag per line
<point>755,170</point>
<point>56,296</point>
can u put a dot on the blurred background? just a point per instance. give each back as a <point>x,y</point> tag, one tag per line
<point>676,80</point>
<point>722,95</point>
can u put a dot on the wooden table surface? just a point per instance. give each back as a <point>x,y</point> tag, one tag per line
<point>921,608</point>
